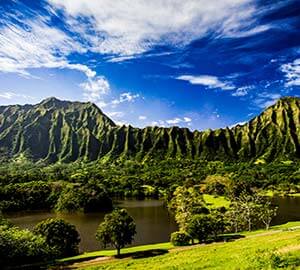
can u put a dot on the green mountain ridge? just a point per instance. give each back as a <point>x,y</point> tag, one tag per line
<point>64,131</point>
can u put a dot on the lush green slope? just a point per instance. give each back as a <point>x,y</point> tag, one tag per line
<point>273,249</point>
<point>55,130</point>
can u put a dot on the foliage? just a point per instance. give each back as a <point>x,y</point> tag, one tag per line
<point>200,227</point>
<point>60,235</point>
<point>248,211</point>
<point>216,184</point>
<point>22,246</point>
<point>29,186</point>
<point>117,230</point>
<point>25,196</point>
<point>186,203</point>
<point>180,239</point>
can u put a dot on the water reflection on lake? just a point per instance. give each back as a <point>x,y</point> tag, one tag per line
<point>288,209</point>
<point>154,223</point>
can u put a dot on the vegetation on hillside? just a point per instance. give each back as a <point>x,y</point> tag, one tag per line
<point>277,249</point>
<point>55,130</point>
<point>91,186</point>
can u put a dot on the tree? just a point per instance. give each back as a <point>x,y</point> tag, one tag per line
<point>59,234</point>
<point>200,227</point>
<point>234,218</point>
<point>249,206</point>
<point>216,184</point>
<point>248,210</point>
<point>267,213</point>
<point>117,230</point>
<point>186,203</point>
<point>218,223</point>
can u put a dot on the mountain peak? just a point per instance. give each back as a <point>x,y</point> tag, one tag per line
<point>50,99</point>
<point>287,100</point>
<point>65,131</point>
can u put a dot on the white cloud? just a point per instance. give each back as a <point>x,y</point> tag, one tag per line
<point>29,44</point>
<point>242,91</point>
<point>208,81</point>
<point>187,119</point>
<point>266,99</point>
<point>132,27</point>
<point>10,95</point>
<point>178,120</point>
<point>33,44</point>
<point>250,32</point>
<point>292,73</point>
<point>174,121</point>
<point>142,117</point>
<point>115,114</point>
<point>125,97</point>
<point>95,88</point>
<point>238,124</point>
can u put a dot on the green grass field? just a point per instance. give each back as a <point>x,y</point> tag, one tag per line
<point>216,201</point>
<point>274,249</point>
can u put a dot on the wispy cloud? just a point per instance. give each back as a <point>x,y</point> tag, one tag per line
<point>115,114</point>
<point>242,91</point>
<point>32,43</point>
<point>125,97</point>
<point>266,99</point>
<point>178,120</point>
<point>292,73</point>
<point>209,81</point>
<point>129,28</point>
<point>11,95</point>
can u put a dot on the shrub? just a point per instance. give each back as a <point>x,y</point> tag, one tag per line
<point>60,235</point>
<point>180,239</point>
<point>22,246</point>
<point>200,227</point>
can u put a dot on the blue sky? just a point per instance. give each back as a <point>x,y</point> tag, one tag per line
<point>195,63</point>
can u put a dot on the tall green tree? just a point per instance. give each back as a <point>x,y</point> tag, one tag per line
<point>117,230</point>
<point>185,203</point>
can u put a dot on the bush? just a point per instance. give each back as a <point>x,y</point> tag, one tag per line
<point>22,246</point>
<point>60,235</point>
<point>180,239</point>
<point>200,227</point>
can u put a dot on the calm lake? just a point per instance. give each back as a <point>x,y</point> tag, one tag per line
<point>154,223</point>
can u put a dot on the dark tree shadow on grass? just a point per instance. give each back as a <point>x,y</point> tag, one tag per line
<point>225,238</point>
<point>143,254</point>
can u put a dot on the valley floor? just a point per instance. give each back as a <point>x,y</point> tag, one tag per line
<point>277,248</point>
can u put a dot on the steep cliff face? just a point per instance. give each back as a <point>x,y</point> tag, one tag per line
<point>55,130</point>
<point>52,130</point>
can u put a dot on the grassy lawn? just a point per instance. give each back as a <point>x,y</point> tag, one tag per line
<point>93,254</point>
<point>216,201</point>
<point>280,246</point>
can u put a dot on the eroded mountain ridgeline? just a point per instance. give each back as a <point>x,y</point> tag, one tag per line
<point>56,130</point>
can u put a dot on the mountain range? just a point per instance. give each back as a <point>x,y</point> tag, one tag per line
<point>63,131</point>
